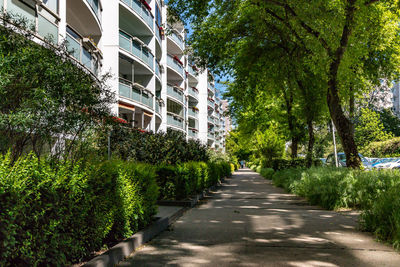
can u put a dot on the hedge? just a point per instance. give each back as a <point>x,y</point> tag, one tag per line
<point>389,148</point>
<point>185,179</point>
<point>56,216</point>
<point>375,193</point>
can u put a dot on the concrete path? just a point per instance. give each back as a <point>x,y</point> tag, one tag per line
<point>249,222</point>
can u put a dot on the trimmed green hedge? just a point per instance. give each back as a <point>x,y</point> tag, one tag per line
<point>389,148</point>
<point>184,180</point>
<point>55,216</point>
<point>376,193</point>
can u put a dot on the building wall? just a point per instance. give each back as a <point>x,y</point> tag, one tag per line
<point>123,38</point>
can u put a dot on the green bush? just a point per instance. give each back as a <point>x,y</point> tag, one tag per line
<point>389,148</point>
<point>267,173</point>
<point>281,164</point>
<point>185,179</point>
<point>376,193</point>
<point>54,217</point>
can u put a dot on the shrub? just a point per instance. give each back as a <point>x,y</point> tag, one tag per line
<point>55,216</point>
<point>388,148</point>
<point>281,164</point>
<point>185,179</point>
<point>267,172</point>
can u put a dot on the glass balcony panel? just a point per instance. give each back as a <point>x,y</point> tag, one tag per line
<point>157,107</point>
<point>193,113</point>
<point>210,103</point>
<point>192,133</point>
<point>177,39</point>
<point>125,90</point>
<point>171,91</point>
<point>172,120</point>
<point>124,42</point>
<point>74,47</point>
<point>94,4</point>
<point>175,65</point>
<point>147,17</point>
<point>136,94</point>
<point>52,5</point>
<point>26,9</point>
<point>158,73</point>
<point>158,35</point>
<point>193,92</point>
<point>151,61</point>
<point>87,59</point>
<point>137,49</point>
<point>47,29</point>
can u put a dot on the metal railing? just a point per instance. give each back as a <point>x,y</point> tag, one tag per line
<point>174,92</point>
<point>174,120</point>
<point>131,91</point>
<point>173,63</point>
<point>141,10</point>
<point>134,47</point>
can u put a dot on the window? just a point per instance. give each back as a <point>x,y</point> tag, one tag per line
<point>158,16</point>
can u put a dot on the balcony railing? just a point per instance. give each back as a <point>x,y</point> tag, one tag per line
<point>158,34</point>
<point>192,71</point>
<point>133,92</point>
<point>81,54</point>
<point>158,73</point>
<point>193,113</point>
<point>178,39</point>
<point>174,120</point>
<point>174,92</point>
<point>158,107</point>
<point>211,86</point>
<point>193,92</point>
<point>210,103</point>
<point>136,48</point>
<point>141,10</point>
<point>173,63</point>
<point>192,133</point>
<point>210,135</point>
<point>210,120</point>
<point>95,5</point>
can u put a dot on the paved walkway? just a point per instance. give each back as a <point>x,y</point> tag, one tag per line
<point>248,222</point>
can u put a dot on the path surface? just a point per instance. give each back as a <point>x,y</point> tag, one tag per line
<point>248,222</point>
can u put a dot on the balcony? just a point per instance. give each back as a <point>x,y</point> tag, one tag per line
<point>82,54</point>
<point>210,135</point>
<point>175,120</point>
<point>193,133</point>
<point>158,107</point>
<point>175,65</point>
<point>193,92</point>
<point>211,86</point>
<point>210,120</point>
<point>192,71</point>
<point>210,103</point>
<point>135,92</point>
<point>193,113</point>
<point>95,5</point>
<point>158,72</point>
<point>158,34</point>
<point>141,10</point>
<point>175,92</point>
<point>137,48</point>
<point>177,39</point>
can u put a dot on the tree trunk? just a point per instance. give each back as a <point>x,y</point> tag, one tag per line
<point>311,141</point>
<point>352,108</point>
<point>343,125</point>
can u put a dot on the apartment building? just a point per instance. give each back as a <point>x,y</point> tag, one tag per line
<point>157,85</point>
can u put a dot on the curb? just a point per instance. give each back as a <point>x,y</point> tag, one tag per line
<point>125,248</point>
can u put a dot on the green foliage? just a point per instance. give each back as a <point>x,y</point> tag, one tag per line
<point>154,148</point>
<point>94,202</point>
<point>282,164</point>
<point>268,144</point>
<point>376,193</point>
<point>267,173</point>
<point>46,99</point>
<point>370,128</point>
<point>391,122</point>
<point>185,179</point>
<point>388,148</point>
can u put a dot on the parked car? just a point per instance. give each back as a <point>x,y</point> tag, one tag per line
<point>330,160</point>
<point>387,163</point>
<point>323,160</point>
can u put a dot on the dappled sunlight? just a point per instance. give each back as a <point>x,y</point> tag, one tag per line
<point>255,224</point>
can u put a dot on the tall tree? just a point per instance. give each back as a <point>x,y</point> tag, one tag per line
<point>350,44</point>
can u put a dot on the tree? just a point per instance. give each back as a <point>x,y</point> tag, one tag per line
<point>268,144</point>
<point>46,98</point>
<point>370,129</point>
<point>391,123</point>
<point>350,45</point>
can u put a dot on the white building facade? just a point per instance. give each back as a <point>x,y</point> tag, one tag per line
<point>157,86</point>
